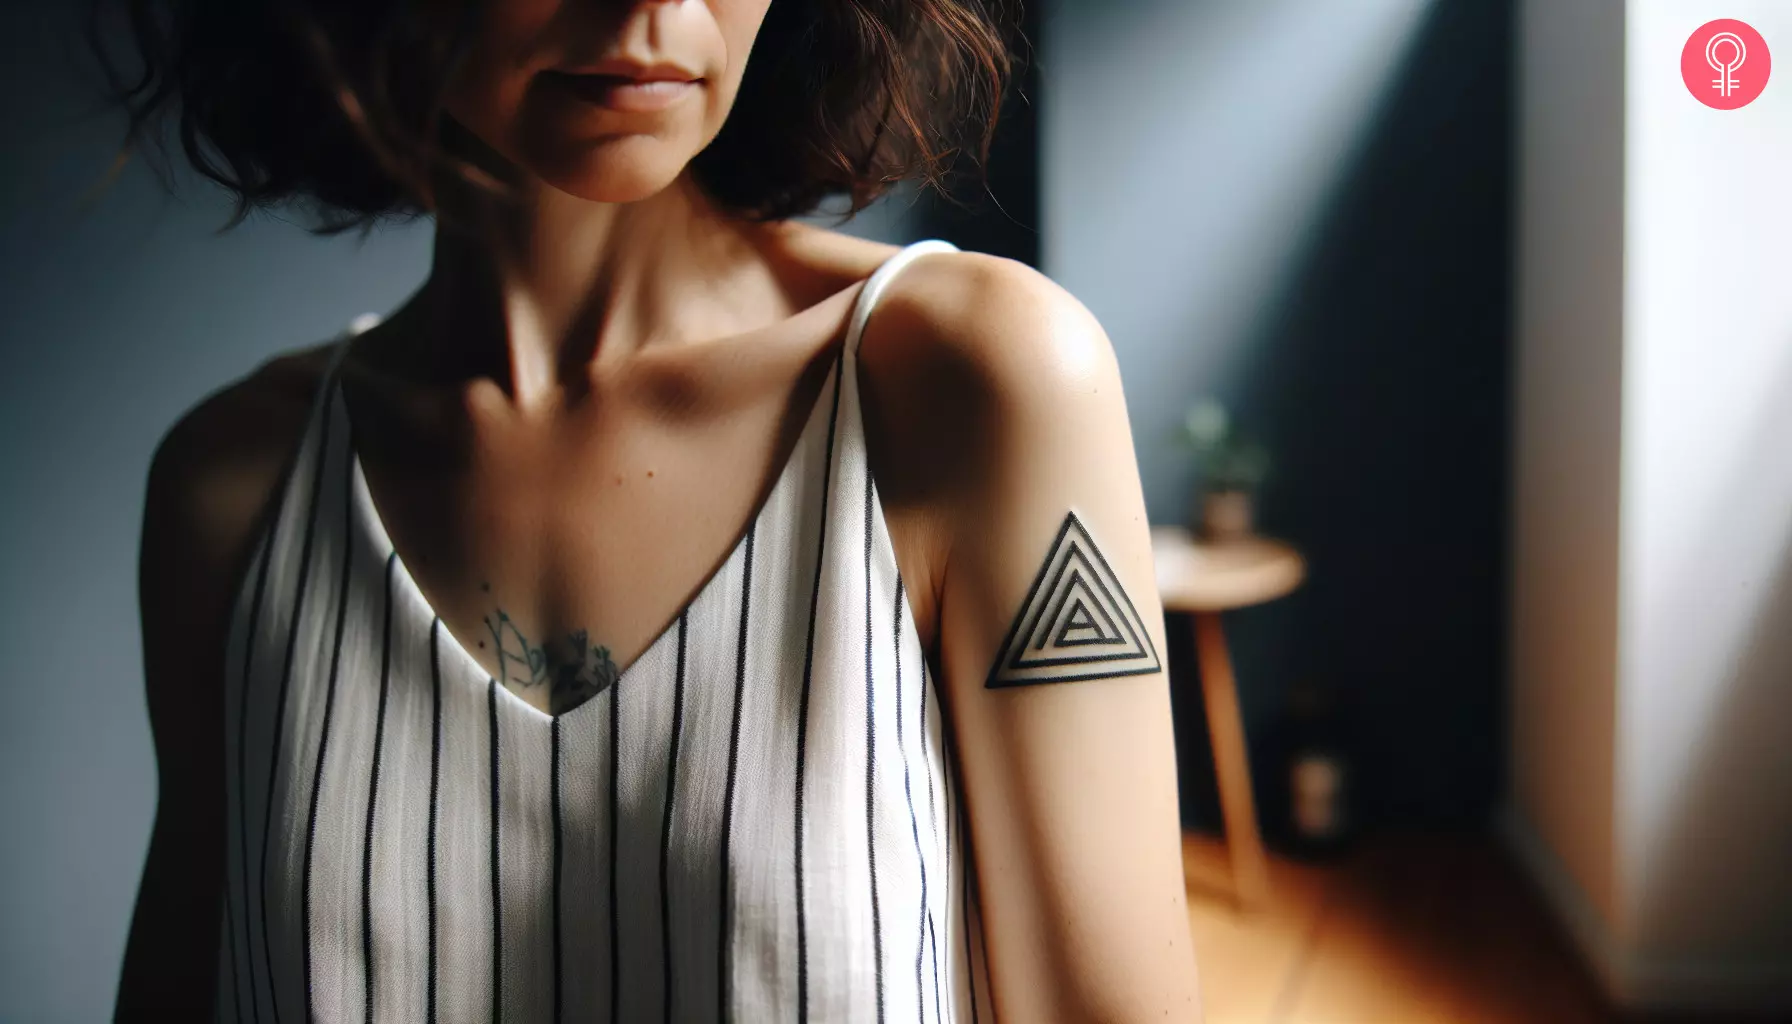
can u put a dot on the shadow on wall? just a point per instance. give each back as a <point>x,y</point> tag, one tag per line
<point>1712,873</point>
<point>1380,377</point>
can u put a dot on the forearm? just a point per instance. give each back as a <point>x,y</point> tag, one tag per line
<point>171,956</point>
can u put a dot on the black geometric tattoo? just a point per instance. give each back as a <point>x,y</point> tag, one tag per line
<point>1077,622</point>
<point>573,669</point>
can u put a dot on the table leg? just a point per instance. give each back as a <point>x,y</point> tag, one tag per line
<point>1250,869</point>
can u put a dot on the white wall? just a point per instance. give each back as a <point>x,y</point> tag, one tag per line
<point>1705,749</point>
<point>1652,783</point>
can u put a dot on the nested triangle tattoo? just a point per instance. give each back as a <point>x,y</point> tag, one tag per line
<point>1076,623</point>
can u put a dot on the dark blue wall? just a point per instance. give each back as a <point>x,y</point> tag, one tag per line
<point>1303,210</point>
<point>115,314</point>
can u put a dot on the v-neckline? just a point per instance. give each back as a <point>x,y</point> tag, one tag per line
<point>369,515</point>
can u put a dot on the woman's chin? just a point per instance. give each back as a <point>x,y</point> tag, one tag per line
<point>612,190</point>
<point>616,176</point>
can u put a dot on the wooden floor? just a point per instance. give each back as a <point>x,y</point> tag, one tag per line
<point>1406,930</point>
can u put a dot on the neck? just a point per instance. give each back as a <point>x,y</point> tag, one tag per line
<point>545,292</point>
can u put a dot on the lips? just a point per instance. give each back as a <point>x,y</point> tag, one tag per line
<point>625,86</point>
<point>637,71</point>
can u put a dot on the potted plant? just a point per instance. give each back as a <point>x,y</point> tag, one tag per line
<point>1232,467</point>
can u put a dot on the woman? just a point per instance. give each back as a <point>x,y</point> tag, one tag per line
<point>546,650</point>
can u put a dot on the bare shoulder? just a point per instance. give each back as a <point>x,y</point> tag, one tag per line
<point>216,468</point>
<point>974,368</point>
<point>967,352</point>
<point>987,327</point>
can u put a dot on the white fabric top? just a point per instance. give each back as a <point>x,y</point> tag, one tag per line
<point>759,821</point>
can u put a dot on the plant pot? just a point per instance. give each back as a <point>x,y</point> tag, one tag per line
<point>1225,515</point>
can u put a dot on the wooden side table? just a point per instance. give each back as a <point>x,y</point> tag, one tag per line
<point>1205,579</point>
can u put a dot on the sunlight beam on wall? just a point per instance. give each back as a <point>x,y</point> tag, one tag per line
<point>1187,147</point>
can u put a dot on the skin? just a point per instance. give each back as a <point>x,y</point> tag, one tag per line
<point>616,350</point>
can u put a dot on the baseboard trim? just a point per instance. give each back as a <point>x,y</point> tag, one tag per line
<point>1637,982</point>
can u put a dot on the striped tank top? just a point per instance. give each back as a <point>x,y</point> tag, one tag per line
<point>760,820</point>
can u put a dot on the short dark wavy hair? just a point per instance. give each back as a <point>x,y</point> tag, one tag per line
<point>335,106</point>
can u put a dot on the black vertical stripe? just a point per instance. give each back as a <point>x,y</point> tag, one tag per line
<point>292,644</point>
<point>877,927</point>
<point>948,862</point>
<point>947,859</point>
<point>913,824</point>
<point>435,785</point>
<point>934,821</point>
<point>373,797</point>
<point>968,866</point>
<point>666,824</point>
<point>491,706</point>
<point>323,736</point>
<point>956,815</point>
<point>554,806</point>
<point>933,953</point>
<point>723,972</point>
<point>802,725</point>
<point>615,845</point>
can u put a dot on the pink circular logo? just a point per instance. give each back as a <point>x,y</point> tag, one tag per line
<point>1725,64</point>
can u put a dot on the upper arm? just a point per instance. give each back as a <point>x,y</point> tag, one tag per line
<point>209,483</point>
<point>1068,761</point>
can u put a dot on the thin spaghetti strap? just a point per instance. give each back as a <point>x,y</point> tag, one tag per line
<point>328,387</point>
<point>880,278</point>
